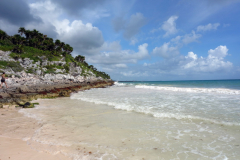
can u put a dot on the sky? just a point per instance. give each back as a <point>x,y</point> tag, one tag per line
<point>141,40</point>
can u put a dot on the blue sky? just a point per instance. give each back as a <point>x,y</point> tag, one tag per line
<point>139,40</point>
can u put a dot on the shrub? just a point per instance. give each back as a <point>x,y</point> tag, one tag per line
<point>15,66</point>
<point>30,70</point>
<point>66,67</point>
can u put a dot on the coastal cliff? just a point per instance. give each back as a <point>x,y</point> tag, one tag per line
<point>38,67</point>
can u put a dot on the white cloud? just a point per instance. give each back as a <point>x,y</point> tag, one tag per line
<point>120,57</point>
<point>213,63</point>
<point>170,26</point>
<point>219,52</point>
<point>166,51</point>
<point>208,27</point>
<point>80,36</point>
<point>191,55</point>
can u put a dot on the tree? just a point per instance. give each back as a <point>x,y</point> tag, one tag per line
<point>21,30</point>
<point>17,39</point>
<point>3,34</point>
<point>28,34</point>
<point>57,42</point>
<point>35,33</point>
<point>80,58</point>
<point>18,49</point>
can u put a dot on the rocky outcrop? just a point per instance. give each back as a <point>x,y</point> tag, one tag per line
<point>20,95</point>
<point>36,72</point>
<point>32,80</point>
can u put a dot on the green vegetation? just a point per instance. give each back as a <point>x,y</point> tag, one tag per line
<point>30,70</point>
<point>15,66</point>
<point>33,44</point>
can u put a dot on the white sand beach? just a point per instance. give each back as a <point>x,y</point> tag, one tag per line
<point>15,130</point>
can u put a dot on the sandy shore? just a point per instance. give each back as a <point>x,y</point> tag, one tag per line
<point>15,131</point>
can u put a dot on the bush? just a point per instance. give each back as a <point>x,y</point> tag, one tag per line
<point>6,48</point>
<point>66,67</point>
<point>31,70</point>
<point>50,71</point>
<point>69,58</point>
<point>15,66</point>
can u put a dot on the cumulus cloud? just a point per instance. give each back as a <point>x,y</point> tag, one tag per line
<point>166,51</point>
<point>121,56</point>
<point>192,64</point>
<point>208,27</point>
<point>170,26</point>
<point>80,36</point>
<point>214,62</point>
<point>131,26</point>
<point>219,52</point>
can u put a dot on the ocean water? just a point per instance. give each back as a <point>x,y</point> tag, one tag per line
<point>143,120</point>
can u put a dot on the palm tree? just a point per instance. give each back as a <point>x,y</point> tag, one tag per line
<point>35,33</point>
<point>17,39</point>
<point>28,34</point>
<point>21,30</point>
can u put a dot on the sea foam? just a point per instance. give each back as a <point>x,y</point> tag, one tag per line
<point>195,90</point>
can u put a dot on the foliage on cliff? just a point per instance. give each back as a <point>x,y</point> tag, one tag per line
<point>33,44</point>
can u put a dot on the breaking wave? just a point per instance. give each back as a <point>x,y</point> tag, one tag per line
<point>196,90</point>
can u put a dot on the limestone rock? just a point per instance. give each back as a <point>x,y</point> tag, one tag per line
<point>23,89</point>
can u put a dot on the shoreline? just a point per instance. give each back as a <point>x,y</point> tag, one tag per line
<point>16,127</point>
<point>15,95</point>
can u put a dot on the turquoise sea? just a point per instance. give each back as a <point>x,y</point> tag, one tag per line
<point>228,84</point>
<point>160,120</point>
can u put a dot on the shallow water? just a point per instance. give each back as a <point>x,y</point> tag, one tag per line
<point>128,121</point>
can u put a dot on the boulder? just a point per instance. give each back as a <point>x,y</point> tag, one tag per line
<point>38,72</point>
<point>44,63</point>
<point>27,62</point>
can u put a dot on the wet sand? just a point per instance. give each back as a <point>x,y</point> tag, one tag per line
<point>15,131</point>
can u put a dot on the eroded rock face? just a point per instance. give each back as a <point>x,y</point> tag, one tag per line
<point>4,56</point>
<point>27,62</point>
<point>38,69</point>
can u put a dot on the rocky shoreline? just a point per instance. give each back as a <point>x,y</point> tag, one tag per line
<point>29,80</point>
<point>22,95</point>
